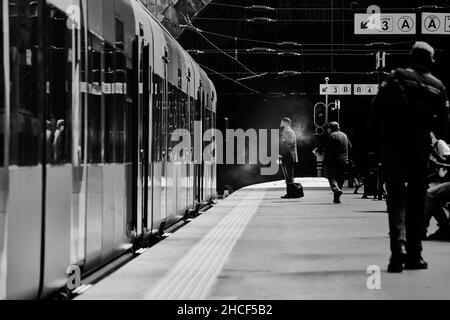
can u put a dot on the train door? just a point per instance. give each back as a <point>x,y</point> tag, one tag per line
<point>190,127</point>
<point>62,128</point>
<point>95,150</point>
<point>197,166</point>
<point>143,135</point>
<point>24,205</point>
<point>165,135</point>
<point>204,128</point>
<point>4,124</point>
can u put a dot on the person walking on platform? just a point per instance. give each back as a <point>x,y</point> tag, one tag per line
<point>289,157</point>
<point>336,159</point>
<point>410,104</point>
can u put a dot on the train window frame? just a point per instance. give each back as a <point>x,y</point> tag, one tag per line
<point>27,85</point>
<point>157,111</point>
<point>3,112</point>
<point>95,153</point>
<point>110,131</point>
<point>59,98</point>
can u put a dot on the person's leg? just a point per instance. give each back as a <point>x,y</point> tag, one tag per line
<point>291,173</point>
<point>286,177</point>
<point>341,175</point>
<point>396,203</point>
<point>436,198</point>
<point>396,195</point>
<point>332,179</point>
<point>415,211</point>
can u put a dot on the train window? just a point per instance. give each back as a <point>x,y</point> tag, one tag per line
<point>26,90</point>
<point>95,101</point>
<point>171,116</point>
<point>157,119</point>
<point>121,111</point>
<point>110,108</point>
<point>191,119</point>
<point>58,116</point>
<point>119,35</point>
<point>179,78</point>
<point>128,93</point>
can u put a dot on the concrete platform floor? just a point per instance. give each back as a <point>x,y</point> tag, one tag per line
<point>255,245</point>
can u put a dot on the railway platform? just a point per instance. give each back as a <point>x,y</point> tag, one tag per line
<point>254,245</point>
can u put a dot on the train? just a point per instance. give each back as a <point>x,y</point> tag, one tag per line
<point>91,91</point>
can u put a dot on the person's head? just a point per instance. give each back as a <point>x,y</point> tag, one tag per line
<point>422,54</point>
<point>333,127</point>
<point>60,125</point>
<point>286,123</point>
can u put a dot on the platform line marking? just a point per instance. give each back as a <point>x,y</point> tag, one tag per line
<point>192,261</point>
<point>207,279</point>
<point>194,274</point>
<point>210,253</point>
<point>195,259</point>
<point>213,261</point>
<point>176,274</point>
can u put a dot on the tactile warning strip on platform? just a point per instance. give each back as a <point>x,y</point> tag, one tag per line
<point>193,276</point>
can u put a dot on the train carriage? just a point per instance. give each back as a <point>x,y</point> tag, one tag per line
<point>90,93</point>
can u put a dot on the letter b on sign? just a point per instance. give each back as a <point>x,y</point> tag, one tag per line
<point>374,280</point>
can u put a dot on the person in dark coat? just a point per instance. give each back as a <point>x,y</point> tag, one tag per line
<point>289,157</point>
<point>410,104</point>
<point>336,159</point>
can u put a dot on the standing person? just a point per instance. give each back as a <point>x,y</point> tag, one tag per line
<point>289,157</point>
<point>336,159</point>
<point>411,103</point>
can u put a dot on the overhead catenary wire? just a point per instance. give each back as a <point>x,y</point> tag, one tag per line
<point>355,9</point>
<point>230,79</point>
<point>298,44</point>
<point>209,41</point>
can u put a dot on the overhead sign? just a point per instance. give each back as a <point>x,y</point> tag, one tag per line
<point>335,89</point>
<point>365,89</point>
<point>387,23</point>
<point>435,23</point>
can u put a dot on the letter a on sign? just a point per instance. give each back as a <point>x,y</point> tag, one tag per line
<point>435,23</point>
<point>432,23</point>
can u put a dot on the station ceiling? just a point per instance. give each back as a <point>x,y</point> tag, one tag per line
<point>172,13</point>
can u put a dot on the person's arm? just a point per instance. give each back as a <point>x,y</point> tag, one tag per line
<point>350,147</point>
<point>291,139</point>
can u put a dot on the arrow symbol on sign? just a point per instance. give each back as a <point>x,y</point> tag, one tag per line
<point>364,24</point>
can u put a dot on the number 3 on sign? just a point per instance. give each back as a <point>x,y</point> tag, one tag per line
<point>386,24</point>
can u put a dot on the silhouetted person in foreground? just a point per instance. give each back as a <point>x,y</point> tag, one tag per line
<point>411,104</point>
<point>336,159</point>
<point>289,157</point>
